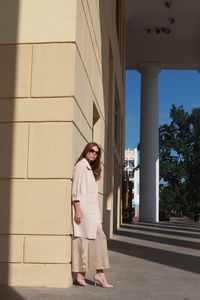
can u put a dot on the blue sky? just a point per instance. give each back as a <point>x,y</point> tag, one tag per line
<point>175,87</point>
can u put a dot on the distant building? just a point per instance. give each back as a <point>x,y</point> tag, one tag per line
<point>130,166</point>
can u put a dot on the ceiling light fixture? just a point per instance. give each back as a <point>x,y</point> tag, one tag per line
<point>157,30</point>
<point>148,30</point>
<point>164,29</point>
<point>171,20</point>
<point>168,4</point>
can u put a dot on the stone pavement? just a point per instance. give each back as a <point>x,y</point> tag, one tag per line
<point>148,261</point>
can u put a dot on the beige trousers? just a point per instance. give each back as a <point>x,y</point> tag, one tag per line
<point>90,254</point>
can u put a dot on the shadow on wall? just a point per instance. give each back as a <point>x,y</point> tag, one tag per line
<point>108,56</point>
<point>107,97</point>
<point>9,11</point>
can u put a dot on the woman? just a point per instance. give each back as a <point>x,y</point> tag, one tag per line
<point>89,245</point>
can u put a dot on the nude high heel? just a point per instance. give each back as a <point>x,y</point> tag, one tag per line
<point>81,281</point>
<point>101,279</point>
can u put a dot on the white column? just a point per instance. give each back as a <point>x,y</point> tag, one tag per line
<point>136,183</point>
<point>149,145</point>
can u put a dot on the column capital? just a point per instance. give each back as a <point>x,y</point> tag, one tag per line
<point>149,69</point>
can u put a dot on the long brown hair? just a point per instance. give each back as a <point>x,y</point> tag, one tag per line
<point>96,164</point>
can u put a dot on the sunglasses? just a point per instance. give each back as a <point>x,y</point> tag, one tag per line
<point>93,151</point>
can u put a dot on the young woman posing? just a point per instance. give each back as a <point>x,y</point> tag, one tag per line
<point>89,245</point>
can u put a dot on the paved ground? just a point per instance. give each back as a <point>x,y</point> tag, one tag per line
<point>148,261</point>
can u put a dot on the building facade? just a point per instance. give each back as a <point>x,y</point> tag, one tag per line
<point>61,86</point>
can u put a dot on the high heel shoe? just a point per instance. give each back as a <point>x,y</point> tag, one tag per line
<point>101,279</point>
<point>80,281</point>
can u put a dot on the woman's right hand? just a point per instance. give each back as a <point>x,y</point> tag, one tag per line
<point>78,213</point>
<point>78,216</point>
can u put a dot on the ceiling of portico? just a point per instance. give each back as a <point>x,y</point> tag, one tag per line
<point>178,50</point>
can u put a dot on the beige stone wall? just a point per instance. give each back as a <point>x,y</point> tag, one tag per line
<point>54,98</point>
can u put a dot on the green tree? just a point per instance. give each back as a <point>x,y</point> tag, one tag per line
<point>193,166</point>
<point>180,163</point>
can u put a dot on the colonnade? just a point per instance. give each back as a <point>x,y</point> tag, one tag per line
<point>149,144</point>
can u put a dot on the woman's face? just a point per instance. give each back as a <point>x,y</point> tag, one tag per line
<point>92,154</point>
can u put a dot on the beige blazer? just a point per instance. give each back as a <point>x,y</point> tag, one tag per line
<point>84,189</point>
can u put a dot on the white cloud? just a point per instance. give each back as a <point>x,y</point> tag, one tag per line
<point>195,105</point>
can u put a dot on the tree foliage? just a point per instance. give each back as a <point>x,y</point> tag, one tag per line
<point>180,163</point>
